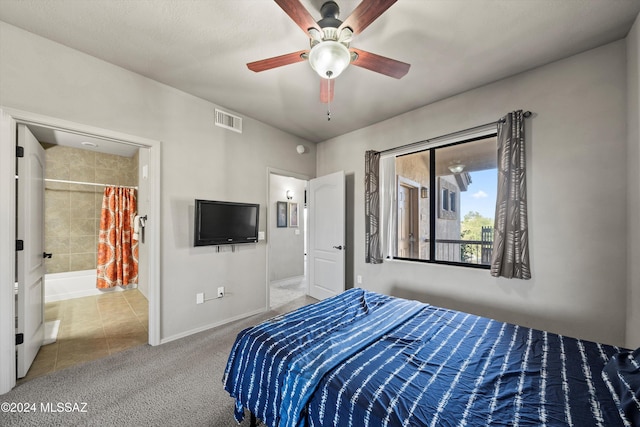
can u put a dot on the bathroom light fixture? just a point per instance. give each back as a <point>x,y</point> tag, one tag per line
<point>289,194</point>
<point>456,168</point>
<point>301,149</point>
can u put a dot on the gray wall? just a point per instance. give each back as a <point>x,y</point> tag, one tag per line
<point>633,190</point>
<point>583,192</point>
<point>577,181</point>
<point>199,160</point>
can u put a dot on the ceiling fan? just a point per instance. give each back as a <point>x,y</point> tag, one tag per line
<point>330,52</point>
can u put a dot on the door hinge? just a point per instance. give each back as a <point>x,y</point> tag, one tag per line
<point>19,245</point>
<point>19,151</point>
<point>19,339</point>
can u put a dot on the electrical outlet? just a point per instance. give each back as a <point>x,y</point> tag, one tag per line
<point>359,279</point>
<point>200,298</point>
<point>220,291</point>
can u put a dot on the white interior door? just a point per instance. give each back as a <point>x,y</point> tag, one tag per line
<point>326,235</point>
<point>30,261</point>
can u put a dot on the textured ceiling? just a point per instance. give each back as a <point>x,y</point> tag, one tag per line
<point>202,46</point>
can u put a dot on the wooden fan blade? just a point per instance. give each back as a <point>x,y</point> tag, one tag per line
<point>380,64</point>
<point>299,14</point>
<point>365,13</point>
<point>326,90</point>
<point>277,61</point>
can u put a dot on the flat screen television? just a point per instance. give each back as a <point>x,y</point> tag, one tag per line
<point>225,223</point>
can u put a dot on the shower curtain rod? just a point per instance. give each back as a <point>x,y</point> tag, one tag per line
<point>526,115</point>
<point>64,181</point>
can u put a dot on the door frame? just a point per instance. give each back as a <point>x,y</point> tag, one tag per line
<point>288,174</point>
<point>413,188</point>
<point>9,118</point>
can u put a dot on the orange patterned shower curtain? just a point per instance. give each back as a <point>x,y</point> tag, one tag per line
<point>117,249</point>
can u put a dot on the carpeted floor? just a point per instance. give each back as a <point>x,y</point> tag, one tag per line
<point>285,291</point>
<point>174,384</point>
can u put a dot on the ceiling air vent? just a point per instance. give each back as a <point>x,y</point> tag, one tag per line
<point>228,121</point>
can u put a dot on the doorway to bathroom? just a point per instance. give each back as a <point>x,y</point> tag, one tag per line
<point>287,238</point>
<point>82,322</point>
<point>133,314</point>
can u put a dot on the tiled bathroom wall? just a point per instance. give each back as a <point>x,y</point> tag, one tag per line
<point>72,212</point>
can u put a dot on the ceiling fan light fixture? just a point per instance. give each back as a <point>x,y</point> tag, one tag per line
<point>329,58</point>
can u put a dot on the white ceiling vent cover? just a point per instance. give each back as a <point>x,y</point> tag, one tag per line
<point>228,121</point>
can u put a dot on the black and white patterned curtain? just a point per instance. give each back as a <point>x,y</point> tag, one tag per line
<point>373,253</point>
<point>510,257</point>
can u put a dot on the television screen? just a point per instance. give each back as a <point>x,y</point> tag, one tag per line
<point>225,223</point>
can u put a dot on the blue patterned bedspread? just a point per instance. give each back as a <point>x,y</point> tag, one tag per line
<point>365,359</point>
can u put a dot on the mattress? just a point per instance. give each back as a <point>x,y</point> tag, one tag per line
<point>366,359</point>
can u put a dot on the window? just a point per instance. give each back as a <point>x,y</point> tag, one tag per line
<point>444,200</point>
<point>445,203</point>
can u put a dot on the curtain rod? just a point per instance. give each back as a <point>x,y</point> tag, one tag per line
<point>64,181</point>
<point>526,114</point>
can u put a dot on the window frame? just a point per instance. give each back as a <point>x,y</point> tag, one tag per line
<point>435,193</point>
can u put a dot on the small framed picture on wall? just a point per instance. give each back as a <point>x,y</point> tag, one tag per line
<point>281,214</point>
<point>293,214</point>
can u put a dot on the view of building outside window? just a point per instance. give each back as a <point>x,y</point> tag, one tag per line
<point>465,181</point>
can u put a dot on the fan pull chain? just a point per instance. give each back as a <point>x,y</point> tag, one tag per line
<point>328,101</point>
<point>329,73</point>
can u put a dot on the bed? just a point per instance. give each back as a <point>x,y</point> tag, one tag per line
<point>366,359</point>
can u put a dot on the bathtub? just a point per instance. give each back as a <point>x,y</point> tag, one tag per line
<point>74,284</point>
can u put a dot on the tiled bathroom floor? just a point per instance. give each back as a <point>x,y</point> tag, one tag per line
<point>91,328</point>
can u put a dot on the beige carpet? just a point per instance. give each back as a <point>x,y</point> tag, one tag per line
<point>174,384</point>
<point>286,291</point>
